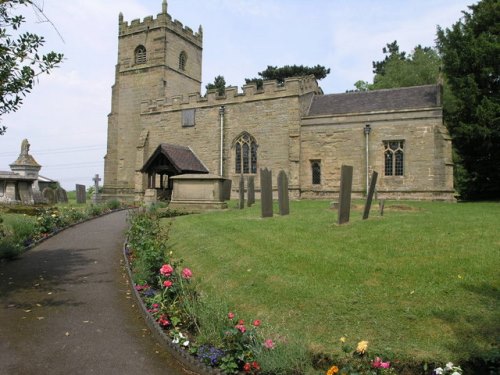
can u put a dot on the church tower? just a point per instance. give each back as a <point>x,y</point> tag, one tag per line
<point>157,58</point>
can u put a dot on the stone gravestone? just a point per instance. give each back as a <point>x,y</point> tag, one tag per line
<point>25,193</point>
<point>369,197</point>
<point>381,204</point>
<point>250,191</point>
<point>284,203</point>
<point>61,195</point>
<point>50,195</point>
<point>95,196</point>
<point>81,194</point>
<point>241,204</point>
<point>226,189</point>
<point>266,192</point>
<point>345,194</point>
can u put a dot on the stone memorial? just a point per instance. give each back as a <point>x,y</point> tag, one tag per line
<point>369,197</point>
<point>61,195</point>
<point>345,194</point>
<point>49,195</point>
<point>266,192</point>
<point>81,194</point>
<point>250,191</point>
<point>95,196</point>
<point>381,204</point>
<point>283,199</point>
<point>241,204</point>
<point>226,189</point>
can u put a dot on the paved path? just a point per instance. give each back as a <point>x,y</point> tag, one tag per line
<point>66,308</point>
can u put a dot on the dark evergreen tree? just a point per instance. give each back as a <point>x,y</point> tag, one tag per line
<point>287,71</point>
<point>219,85</point>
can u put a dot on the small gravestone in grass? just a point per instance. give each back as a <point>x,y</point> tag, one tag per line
<point>369,197</point>
<point>241,203</point>
<point>49,195</point>
<point>381,204</point>
<point>345,194</point>
<point>250,191</point>
<point>266,192</point>
<point>283,200</point>
<point>81,194</point>
<point>61,195</point>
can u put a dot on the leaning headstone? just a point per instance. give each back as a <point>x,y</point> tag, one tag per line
<point>50,195</point>
<point>283,200</point>
<point>81,194</point>
<point>241,204</point>
<point>345,194</point>
<point>61,195</point>
<point>250,191</point>
<point>266,192</point>
<point>381,204</point>
<point>369,198</point>
<point>95,196</point>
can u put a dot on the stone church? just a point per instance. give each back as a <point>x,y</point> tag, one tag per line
<point>160,126</point>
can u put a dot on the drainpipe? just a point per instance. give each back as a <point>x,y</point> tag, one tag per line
<point>221,115</point>
<point>367,129</point>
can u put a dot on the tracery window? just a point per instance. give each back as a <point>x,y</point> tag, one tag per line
<point>316,172</point>
<point>245,148</point>
<point>140,55</point>
<point>182,60</point>
<point>394,158</point>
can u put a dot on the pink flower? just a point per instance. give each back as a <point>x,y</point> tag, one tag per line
<point>256,323</point>
<point>241,322</point>
<point>163,321</point>
<point>186,273</point>
<point>230,315</point>
<point>241,328</point>
<point>166,270</point>
<point>385,364</point>
<point>155,305</point>
<point>247,367</point>
<point>377,363</point>
<point>269,344</point>
<point>167,283</point>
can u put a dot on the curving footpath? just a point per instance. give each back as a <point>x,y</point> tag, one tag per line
<point>66,308</point>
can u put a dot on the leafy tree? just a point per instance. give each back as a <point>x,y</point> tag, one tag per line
<point>20,62</point>
<point>392,52</point>
<point>470,50</point>
<point>279,74</point>
<point>219,85</point>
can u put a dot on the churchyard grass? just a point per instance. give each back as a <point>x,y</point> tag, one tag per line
<point>420,284</point>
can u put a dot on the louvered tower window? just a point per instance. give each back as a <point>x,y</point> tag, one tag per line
<point>140,55</point>
<point>182,60</point>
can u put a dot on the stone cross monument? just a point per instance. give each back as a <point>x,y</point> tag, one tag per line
<point>95,196</point>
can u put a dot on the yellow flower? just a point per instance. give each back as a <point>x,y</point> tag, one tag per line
<point>362,346</point>
<point>342,339</point>
<point>332,370</point>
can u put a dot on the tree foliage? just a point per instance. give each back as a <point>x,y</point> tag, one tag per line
<point>287,71</point>
<point>470,50</point>
<point>20,62</point>
<point>219,85</point>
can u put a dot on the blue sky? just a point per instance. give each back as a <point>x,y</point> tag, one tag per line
<point>65,117</point>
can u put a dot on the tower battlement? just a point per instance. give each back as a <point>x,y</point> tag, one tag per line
<point>294,86</point>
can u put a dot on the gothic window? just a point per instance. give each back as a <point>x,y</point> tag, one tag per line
<point>245,148</point>
<point>394,158</point>
<point>316,172</point>
<point>182,60</point>
<point>140,55</point>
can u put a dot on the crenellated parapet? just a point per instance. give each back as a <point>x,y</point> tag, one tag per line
<point>294,86</point>
<point>162,20</point>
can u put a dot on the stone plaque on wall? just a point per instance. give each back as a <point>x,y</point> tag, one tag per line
<point>266,192</point>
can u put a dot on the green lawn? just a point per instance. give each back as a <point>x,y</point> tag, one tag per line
<point>421,282</point>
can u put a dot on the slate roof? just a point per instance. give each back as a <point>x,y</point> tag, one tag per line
<point>182,158</point>
<point>377,100</point>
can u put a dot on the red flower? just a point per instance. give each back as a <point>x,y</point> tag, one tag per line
<point>163,321</point>
<point>167,283</point>
<point>241,328</point>
<point>256,365</point>
<point>241,321</point>
<point>256,323</point>
<point>230,315</point>
<point>186,273</point>
<point>166,270</point>
<point>247,367</point>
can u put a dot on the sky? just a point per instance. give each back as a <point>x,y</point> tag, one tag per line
<point>65,116</point>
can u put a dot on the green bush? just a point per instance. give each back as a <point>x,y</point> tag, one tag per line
<point>113,204</point>
<point>23,229</point>
<point>9,249</point>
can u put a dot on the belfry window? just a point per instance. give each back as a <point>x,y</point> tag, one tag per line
<point>394,158</point>
<point>182,60</point>
<point>316,172</point>
<point>245,148</point>
<point>140,55</point>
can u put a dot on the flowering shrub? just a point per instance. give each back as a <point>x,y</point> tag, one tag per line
<point>449,369</point>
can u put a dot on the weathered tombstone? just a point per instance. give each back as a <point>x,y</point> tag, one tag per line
<point>61,195</point>
<point>50,195</point>
<point>345,194</point>
<point>266,192</point>
<point>250,191</point>
<point>369,197</point>
<point>283,200</point>
<point>226,189</point>
<point>81,194</point>
<point>38,197</point>
<point>381,204</point>
<point>25,193</point>
<point>95,196</point>
<point>241,204</point>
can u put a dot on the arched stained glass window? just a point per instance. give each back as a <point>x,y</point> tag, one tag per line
<point>316,172</point>
<point>245,148</point>
<point>394,158</point>
<point>140,55</point>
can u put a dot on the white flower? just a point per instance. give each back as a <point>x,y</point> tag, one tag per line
<point>449,366</point>
<point>438,371</point>
<point>456,373</point>
<point>186,343</point>
<point>175,340</point>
